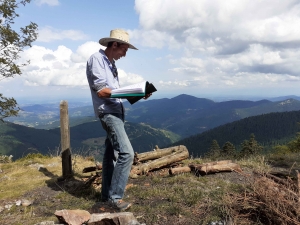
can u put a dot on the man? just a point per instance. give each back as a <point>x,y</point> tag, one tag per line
<point>103,77</point>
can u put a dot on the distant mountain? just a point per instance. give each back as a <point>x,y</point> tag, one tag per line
<point>269,130</point>
<point>282,98</point>
<point>187,115</point>
<point>280,106</point>
<point>184,115</point>
<point>19,140</point>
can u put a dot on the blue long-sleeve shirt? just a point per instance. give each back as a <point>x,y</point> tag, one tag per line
<point>99,75</point>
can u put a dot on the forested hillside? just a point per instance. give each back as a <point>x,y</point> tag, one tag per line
<point>88,138</point>
<point>269,130</point>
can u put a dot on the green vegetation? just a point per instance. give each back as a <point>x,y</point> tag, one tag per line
<point>270,130</point>
<point>12,44</point>
<point>87,138</point>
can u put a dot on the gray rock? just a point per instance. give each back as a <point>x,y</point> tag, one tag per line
<point>74,217</point>
<point>122,218</point>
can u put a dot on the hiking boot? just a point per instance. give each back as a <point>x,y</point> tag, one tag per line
<point>119,204</point>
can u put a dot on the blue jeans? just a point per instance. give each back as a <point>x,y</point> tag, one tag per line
<point>117,159</point>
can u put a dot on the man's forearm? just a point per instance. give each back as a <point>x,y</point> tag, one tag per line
<point>104,93</point>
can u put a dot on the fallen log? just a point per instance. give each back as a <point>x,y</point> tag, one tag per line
<point>92,168</point>
<point>215,167</point>
<point>178,170</point>
<point>158,153</point>
<point>144,168</point>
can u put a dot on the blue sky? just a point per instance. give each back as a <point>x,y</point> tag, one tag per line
<point>204,48</point>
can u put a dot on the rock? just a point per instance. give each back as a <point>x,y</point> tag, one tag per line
<point>1,208</point>
<point>18,203</point>
<point>122,218</point>
<point>73,217</point>
<point>8,207</point>
<point>26,202</point>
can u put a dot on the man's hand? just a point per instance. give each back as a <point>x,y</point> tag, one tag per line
<point>104,93</point>
<point>147,96</point>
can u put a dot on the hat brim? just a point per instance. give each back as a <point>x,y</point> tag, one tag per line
<point>105,41</point>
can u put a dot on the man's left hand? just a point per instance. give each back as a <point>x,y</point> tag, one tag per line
<point>147,96</point>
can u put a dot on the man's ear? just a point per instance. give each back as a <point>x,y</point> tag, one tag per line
<point>115,44</point>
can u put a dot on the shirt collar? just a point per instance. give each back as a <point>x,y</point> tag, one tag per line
<point>105,57</point>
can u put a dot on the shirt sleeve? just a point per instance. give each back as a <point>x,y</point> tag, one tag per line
<point>97,76</point>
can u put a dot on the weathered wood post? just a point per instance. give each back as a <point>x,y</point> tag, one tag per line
<point>65,141</point>
<point>298,186</point>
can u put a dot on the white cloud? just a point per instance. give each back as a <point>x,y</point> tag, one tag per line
<point>47,2</point>
<point>128,78</point>
<point>85,50</point>
<point>62,67</point>
<point>233,43</point>
<point>48,34</point>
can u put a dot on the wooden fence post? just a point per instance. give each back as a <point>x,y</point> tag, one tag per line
<point>65,141</point>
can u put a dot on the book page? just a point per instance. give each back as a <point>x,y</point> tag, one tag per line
<point>134,88</point>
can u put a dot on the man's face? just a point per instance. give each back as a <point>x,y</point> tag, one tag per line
<point>120,51</point>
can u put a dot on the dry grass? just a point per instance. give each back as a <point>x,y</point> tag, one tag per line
<point>158,198</point>
<point>264,202</point>
<point>29,173</point>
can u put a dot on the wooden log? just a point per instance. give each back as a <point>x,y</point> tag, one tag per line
<point>158,153</point>
<point>159,163</point>
<point>92,168</point>
<point>215,168</point>
<point>216,163</point>
<point>178,170</point>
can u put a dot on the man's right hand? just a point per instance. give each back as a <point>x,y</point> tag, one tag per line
<point>104,93</point>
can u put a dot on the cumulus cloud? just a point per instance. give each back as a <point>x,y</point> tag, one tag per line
<point>62,67</point>
<point>231,43</point>
<point>48,34</point>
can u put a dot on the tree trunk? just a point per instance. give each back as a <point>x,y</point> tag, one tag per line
<point>161,162</point>
<point>141,157</point>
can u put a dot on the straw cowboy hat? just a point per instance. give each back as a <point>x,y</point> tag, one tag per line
<point>117,35</point>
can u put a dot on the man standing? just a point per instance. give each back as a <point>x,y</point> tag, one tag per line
<point>118,156</point>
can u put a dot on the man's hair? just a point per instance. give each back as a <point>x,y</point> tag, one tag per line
<point>109,44</point>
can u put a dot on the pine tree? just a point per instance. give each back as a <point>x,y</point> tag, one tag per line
<point>228,150</point>
<point>214,150</point>
<point>294,145</point>
<point>251,147</point>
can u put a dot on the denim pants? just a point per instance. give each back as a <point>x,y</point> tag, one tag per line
<point>117,159</point>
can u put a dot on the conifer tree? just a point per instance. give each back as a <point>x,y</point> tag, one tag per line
<point>250,147</point>
<point>214,150</point>
<point>294,145</point>
<point>228,150</point>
